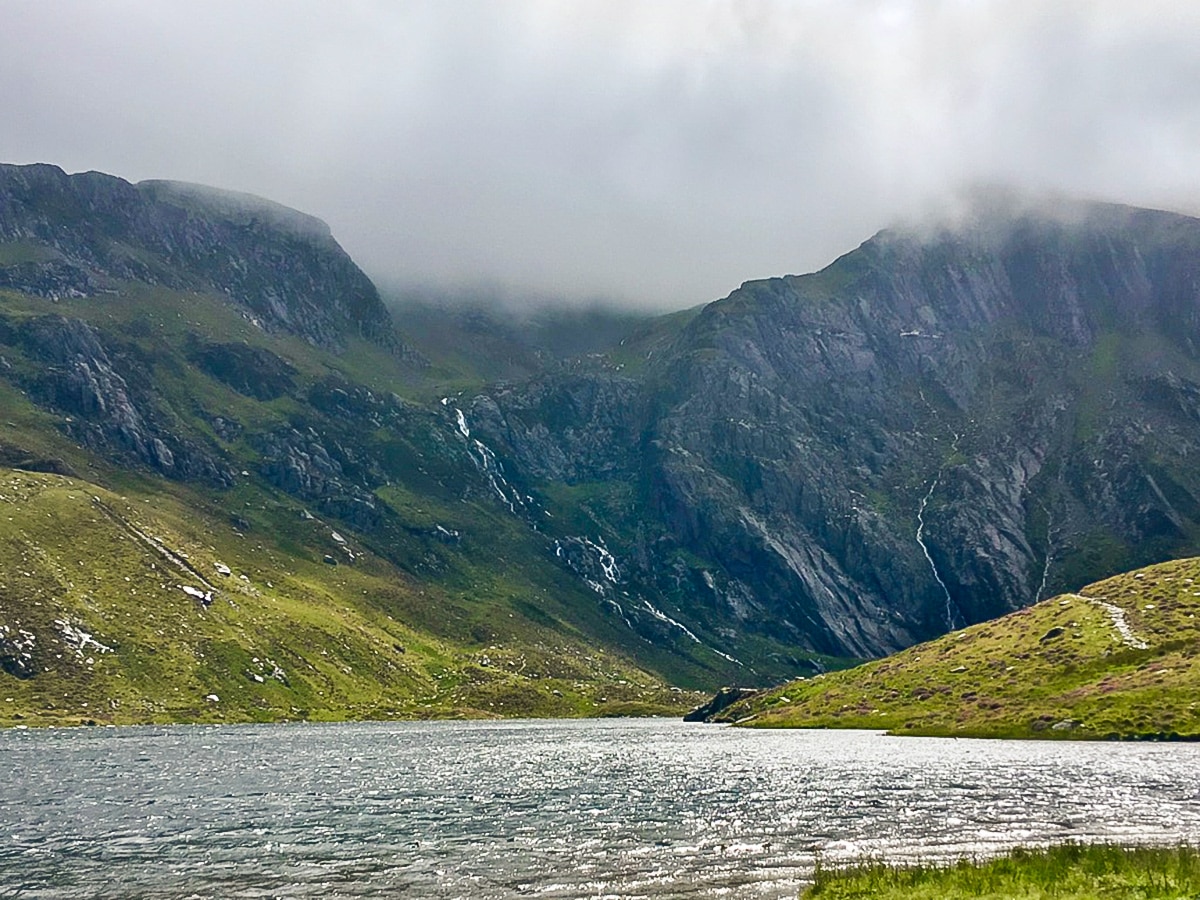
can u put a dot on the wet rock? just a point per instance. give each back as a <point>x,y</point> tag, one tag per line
<point>722,700</point>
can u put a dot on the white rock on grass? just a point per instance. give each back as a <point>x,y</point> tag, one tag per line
<point>204,597</point>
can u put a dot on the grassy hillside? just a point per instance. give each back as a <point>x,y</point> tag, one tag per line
<point>449,605</point>
<point>1119,659</point>
<point>145,605</point>
<point>471,342</point>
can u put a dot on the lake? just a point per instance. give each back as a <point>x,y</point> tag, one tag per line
<point>550,809</point>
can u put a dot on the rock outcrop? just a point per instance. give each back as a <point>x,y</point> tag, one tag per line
<point>74,235</point>
<point>253,371</point>
<point>78,377</point>
<point>338,477</point>
<point>721,701</point>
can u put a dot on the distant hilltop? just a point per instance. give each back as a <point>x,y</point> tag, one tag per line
<point>88,232</point>
<point>234,206</point>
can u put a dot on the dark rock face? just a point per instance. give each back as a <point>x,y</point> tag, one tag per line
<point>82,233</point>
<point>567,427</point>
<point>252,371</point>
<point>17,652</point>
<point>337,477</point>
<point>355,441</point>
<point>79,377</point>
<point>52,278</point>
<point>14,457</point>
<point>933,431</point>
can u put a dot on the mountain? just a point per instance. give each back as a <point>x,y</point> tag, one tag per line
<point>1118,659</point>
<point>938,428</point>
<point>79,235</point>
<point>941,427</point>
<point>218,461</point>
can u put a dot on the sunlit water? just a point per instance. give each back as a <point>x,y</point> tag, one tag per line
<point>623,809</point>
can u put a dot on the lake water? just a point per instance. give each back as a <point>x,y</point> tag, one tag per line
<point>559,809</point>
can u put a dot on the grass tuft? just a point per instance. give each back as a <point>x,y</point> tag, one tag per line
<point>1066,872</point>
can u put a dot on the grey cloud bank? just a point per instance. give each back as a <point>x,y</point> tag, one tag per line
<point>650,153</point>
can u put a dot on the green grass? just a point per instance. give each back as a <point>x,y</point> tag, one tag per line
<point>1069,872</point>
<point>13,253</point>
<point>286,637</point>
<point>652,338</point>
<point>834,280</point>
<point>1060,669</point>
<point>495,595</point>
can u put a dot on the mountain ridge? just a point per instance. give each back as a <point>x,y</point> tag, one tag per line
<point>85,233</point>
<point>895,374</point>
<point>930,432</point>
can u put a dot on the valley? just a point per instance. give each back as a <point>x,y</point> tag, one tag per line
<point>559,512</point>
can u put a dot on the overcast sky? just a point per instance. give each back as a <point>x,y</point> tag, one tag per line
<point>653,153</point>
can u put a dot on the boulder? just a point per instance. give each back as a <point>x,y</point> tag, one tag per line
<point>722,700</point>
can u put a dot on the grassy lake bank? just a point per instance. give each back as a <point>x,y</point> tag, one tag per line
<point>1067,872</point>
<point>1117,660</point>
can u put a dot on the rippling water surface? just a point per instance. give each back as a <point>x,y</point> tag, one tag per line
<point>618,808</point>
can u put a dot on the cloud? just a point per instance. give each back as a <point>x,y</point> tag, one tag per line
<point>655,153</point>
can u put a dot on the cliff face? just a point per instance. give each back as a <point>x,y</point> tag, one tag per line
<point>932,431</point>
<point>71,235</point>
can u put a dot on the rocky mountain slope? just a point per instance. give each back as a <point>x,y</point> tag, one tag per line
<point>935,430</point>
<point>82,235</point>
<point>194,392</point>
<point>1118,659</point>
